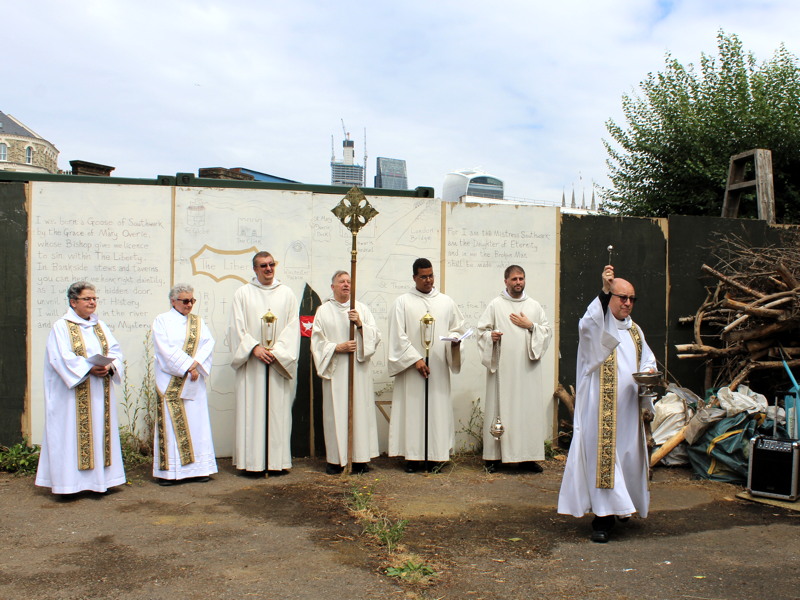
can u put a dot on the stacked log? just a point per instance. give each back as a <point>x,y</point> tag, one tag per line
<point>750,319</point>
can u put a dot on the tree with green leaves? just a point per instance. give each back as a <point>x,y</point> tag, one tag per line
<point>684,125</point>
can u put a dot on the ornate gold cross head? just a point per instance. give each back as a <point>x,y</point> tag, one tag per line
<point>354,211</point>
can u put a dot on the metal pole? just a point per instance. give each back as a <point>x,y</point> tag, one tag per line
<point>352,360</point>
<point>427,352</point>
<point>354,211</point>
<point>266,419</point>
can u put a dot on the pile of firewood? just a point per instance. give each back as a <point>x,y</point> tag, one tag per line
<point>750,319</point>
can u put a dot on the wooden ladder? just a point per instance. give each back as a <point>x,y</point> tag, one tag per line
<point>762,166</point>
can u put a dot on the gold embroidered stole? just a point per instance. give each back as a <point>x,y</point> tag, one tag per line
<point>607,417</point>
<point>83,402</point>
<point>171,398</point>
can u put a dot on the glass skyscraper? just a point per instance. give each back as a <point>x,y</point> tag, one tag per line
<point>391,174</point>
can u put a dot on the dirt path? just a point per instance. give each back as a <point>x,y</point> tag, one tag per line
<point>488,536</point>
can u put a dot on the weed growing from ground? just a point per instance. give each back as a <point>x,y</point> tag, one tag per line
<point>473,429</point>
<point>361,497</point>
<point>412,570</point>
<point>139,407</point>
<point>376,523</point>
<point>20,458</point>
<point>384,530</point>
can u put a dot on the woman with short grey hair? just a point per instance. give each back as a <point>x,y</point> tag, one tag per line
<point>80,447</point>
<point>180,288</point>
<point>183,347</point>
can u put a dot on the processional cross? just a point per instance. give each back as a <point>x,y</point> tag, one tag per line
<point>354,211</point>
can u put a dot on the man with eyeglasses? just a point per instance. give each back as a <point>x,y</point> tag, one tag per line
<point>81,448</point>
<point>264,417</point>
<point>407,366</point>
<point>183,449</point>
<point>607,467</point>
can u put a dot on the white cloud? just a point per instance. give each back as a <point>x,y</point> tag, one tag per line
<point>522,88</point>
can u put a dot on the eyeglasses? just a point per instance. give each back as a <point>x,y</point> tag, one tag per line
<point>89,299</point>
<point>624,299</point>
<point>265,265</point>
<point>424,277</point>
<point>186,301</point>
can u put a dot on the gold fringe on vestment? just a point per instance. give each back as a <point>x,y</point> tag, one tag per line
<point>607,415</point>
<point>171,399</point>
<point>83,403</point>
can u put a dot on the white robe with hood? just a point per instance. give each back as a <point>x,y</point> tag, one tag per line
<point>250,303</point>
<point>332,327</point>
<point>407,423</point>
<point>514,379</point>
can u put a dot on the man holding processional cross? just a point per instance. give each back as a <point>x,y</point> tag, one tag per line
<point>332,348</point>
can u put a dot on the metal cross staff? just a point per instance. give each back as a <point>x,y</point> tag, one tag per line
<point>354,211</point>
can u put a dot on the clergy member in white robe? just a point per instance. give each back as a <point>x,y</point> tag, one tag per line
<point>183,345</point>
<point>332,348</point>
<point>607,467</point>
<point>80,448</point>
<point>514,334</point>
<point>263,441</point>
<point>407,366</point>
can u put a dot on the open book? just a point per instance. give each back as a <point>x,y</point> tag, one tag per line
<point>460,338</point>
<point>100,360</point>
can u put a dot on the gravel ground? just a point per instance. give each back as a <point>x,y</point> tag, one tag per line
<point>492,536</point>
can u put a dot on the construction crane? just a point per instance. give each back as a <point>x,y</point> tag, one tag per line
<point>344,131</point>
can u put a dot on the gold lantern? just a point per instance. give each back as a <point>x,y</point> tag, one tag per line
<point>269,328</point>
<point>427,326</point>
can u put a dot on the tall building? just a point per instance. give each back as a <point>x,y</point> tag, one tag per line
<point>471,183</point>
<point>22,149</point>
<point>390,174</point>
<point>346,172</point>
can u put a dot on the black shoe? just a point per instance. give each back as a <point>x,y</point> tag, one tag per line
<point>492,466</point>
<point>251,474</point>
<point>166,482</point>
<point>601,528</point>
<point>360,468</point>
<point>332,469</point>
<point>276,473</point>
<point>600,536</point>
<point>623,519</point>
<point>412,466</point>
<point>531,466</point>
<point>202,479</point>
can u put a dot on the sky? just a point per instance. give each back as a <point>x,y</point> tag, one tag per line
<point>521,89</point>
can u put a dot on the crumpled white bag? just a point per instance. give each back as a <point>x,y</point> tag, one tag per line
<point>742,400</point>
<point>670,417</point>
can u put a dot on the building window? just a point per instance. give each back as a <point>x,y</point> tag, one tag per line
<point>3,152</point>
<point>29,155</point>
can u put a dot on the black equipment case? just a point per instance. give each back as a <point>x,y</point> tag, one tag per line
<point>773,468</point>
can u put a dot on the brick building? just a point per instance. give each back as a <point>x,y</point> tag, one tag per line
<point>22,149</point>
